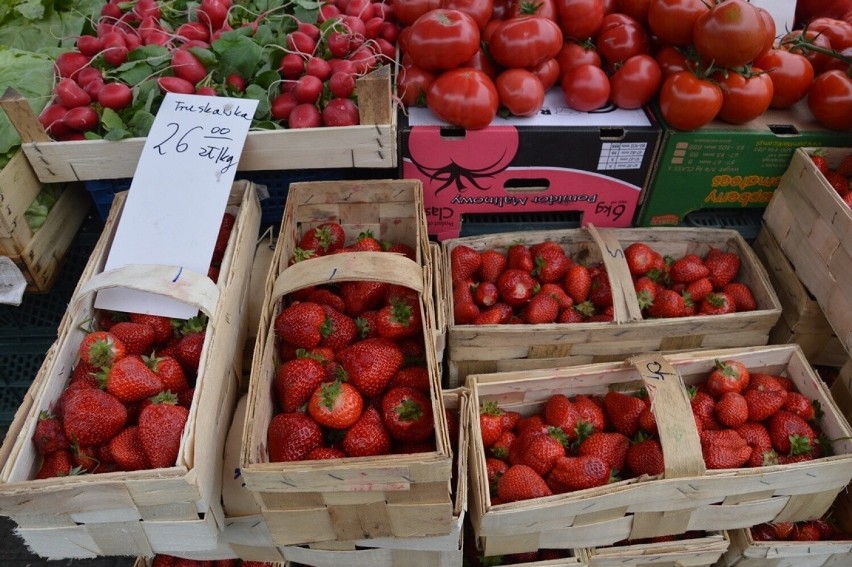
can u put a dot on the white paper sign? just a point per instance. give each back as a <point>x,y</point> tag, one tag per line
<point>178,195</point>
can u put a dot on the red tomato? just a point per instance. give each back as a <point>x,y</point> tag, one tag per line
<point>635,82</point>
<point>636,9</point>
<point>411,85</point>
<point>586,87</point>
<point>580,19</point>
<point>672,20</point>
<point>520,92</point>
<point>688,102</point>
<point>501,9</point>
<point>525,41</point>
<point>769,25</point>
<point>574,53</point>
<point>837,63</point>
<point>488,31</point>
<point>409,10</point>
<point>792,42</point>
<point>442,39</point>
<point>479,10</point>
<point>547,72</point>
<point>791,74</point>
<point>731,34</point>
<point>744,97</point>
<point>483,62</point>
<point>464,97</point>
<point>544,8</point>
<point>838,32</point>
<point>830,100</point>
<point>671,60</point>
<point>619,42</point>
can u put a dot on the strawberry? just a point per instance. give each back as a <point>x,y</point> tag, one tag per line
<point>407,414</point>
<point>300,324</point>
<point>55,464</point>
<point>161,325</point>
<point>724,449</point>
<point>188,351</point>
<point>646,291</point>
<point>732,410</point>
<point>398,320</point>
<point>486,294</point>
<point>727,376</point>
<point>640,258</point>
<point>600,290</point>
<point>370,364</point>
<point>520,482</point>
<point>704,408</point>
<point>161,425</point>
<point>645,457</point>
<point>109,318</point>
<point>623,411</point>
<point>569,315</point>
<point>838,182</point>
<point>324,453</point>
<point>367,325</point>
<point>845,166</point>
<point>763,403</point>
<point>338,330</point>
<point>498,314</point>
<point>763,532</point>
<point>806,531</point>
<point>590,412</point>
<point>493,263</point>
<point>465,313</point>
<point>503,446</point>
<point>85,458</point>
<point>515,287</point>
<point>541,309</point>
<point>92,416</point>
<point>101,349</point>
<point>416,377</point>
<point>648,421</point>
<point>688,269</point>
<point>667,304</point>
<point>49,435</point>
<point>327,297</point>
<point>464,263</point>
<point>717,303</point>
<point>819,160</point>
<point>559,411</point>
<point>577,283</point>
<point>365,242</point>
<point>847,199</point>
<point>490,423</point>
<point>400,248</point>
<point>541,450</point>
<point>610,447</point>
<point>519,257</point>
<point>336,405</point>
<point>723,266</point>
<point>763,381</point>
<point>323,238</point>
<point>800,405</point>
<point>130,380</point>
<point>743,297</point>
<point>494,469</point>
<point>368,436</point>
<point>578,473</point>
<point>126,449</point>
<point>757,437</point>
<point>296,380</point>
<point>360,296</point>
<point>699,289</point>
<point>222,237</point>
<point>138,338</point>
<point>291,436</point>
<point>550,264</point>
<point>169,371</point>
<point>790,434</point>
<point>563,300</point>
<point>783,530</point>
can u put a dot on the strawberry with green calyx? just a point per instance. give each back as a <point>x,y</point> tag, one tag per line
<point>92,416</point>
<point>550,263</point>
<point>300,255</point>
<point>698,290</point>
<point>161,425</point>
<point>338,330</point>
<point>57,464</point>
<point>520,482</point>
<point>169,371</point>
<point>623,411</point>
<point>464,263</point>
<point>667,304</point>
<point>591,412</point>
<point>101,349</point>
<point>296,380</point>
<point>646,291</point>
<point>727,376</point>
<point>138,338</point>
<point>578,473</point>
<point>494,469</point>
<point>490,423</point>
<point>398,320</point>
<point>757,437</point>
<point>336,405</point>
<point>191,344</point>
<point>541,450</point>
<point>503,446</point>
<point>704,409</point>
<point>85,458</point>
<point>131,380</point>
<point>323,239</point>
<point>791,435</point>
<point>49,435</point>
<point>407,414</point>
<point>717,303</point>
<point>645,456</point>
<point>365,242</point>
<point>560,411</point>
<point>818,157</point>
<point>368,436</point>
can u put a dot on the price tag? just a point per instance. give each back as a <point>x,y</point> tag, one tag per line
<point>178,195</point>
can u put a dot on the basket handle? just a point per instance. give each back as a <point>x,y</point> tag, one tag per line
<point>623,296</point>
<point>175,282</point>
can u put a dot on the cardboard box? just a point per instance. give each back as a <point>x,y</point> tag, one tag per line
<point>722,166</point>
<point>593,164</point>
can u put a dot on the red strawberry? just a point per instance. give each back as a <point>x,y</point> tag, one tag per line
<point>541,309</point>
<point>648,421</point>
<point>360,296</point>
<point>300,324</point>
<point>819,160</point>
<point>520,482</point>
<point>563,300</point>
<point>130,380</point>
<point>541,450</point>
<point>486,294</point>
<point>138,338</point>
<point>610,447</point>
<point>732,410</point>
<point>336,405</point>
<point>570,315</point>
<point>640,258</point>
<point>577,283</point>
<point>560,411</point>
<point>645,457</point>
<point>370,364</point>
<point>365,242</point>
<point>847,199</point>
<point>222,237</point>
<point>550,263</point>
<point>763,532</point>
<point>623,411</point>
<point>757,437</point>
<point>324,453</point>
<point>323,238</point>
<point>398,320</point>
<point>728,376</point>
<point>368,436</point>
<point>519,257</point>
<point>162,326</point>
<point>56,464</point>
<point>578,473</point>
<point>704,409</point>
<point>338,330</point>
<point>515,287</point>
<point>416,377</point>
<point>85,458</point>
<point>490,423</point>
<point>699,289</point>
<point>845,166</point>
<point>763,403</point>
<point>717,303</point>
<point>494,469</point>
<point>367,324</point>
<point>464,262</point>
<point>92,416</point>
<point>169,371</point>
<point>407,414</point>
<point>161,425</point>
<point>790,434</point>
<point>667,304</point>
<point>400,248</point>
<point>743,297</point>
<point>688,269</point>
<point>492,265</point>
<point>838,182</point>
<point>101,349</point>
<point>800,405</point>
<point>49,436</point>
<point>326,297</point>
<point>296,380</point>
<point>763,381</point>
<point>723,266</point>
<point>724,449</point>
<point>126,449</point>
<point>291,436</point>
<point>503,446</point>
<point>806,531</point>
<point>600,290</point>
<point>591,412</point>
<point>498,314</point>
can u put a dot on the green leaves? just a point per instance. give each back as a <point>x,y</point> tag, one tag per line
<point>237,54</point>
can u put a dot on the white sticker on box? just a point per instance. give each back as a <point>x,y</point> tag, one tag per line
<point>178,195</point>
<point>621,155</point>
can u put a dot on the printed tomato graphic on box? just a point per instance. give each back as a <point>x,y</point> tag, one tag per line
<point>537,165</point>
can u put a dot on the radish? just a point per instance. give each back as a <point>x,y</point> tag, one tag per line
<point>341,84</point>
<point>327,12</point>
<point>282,105</point>
<point>364,60</point>
<point>362,9</point>
<point>340,112</point>
<point>213,13</point>
<point>132,40</point>
<point>187,66</point>
<point>236,82</point>
<point>206,91</point>
<point>89,45</point>
<point>300,42</point>
<point>111,11</point>
<point>175,85</point>
<point>310,30</point>
<point>193,31</point>
<point>386,48</point>
<point>304,116</point>
<point>69,62</point>
<point>94,87</point>
<point>147,9</point>
<point>318,67</point>
<point>51,119</point>
<point>389,32</point>
<point>373,27</point>
<point>81,119</point>
<point>115,96</point>
<point>341,66</point>
<point>115,48</point>
<point>339,44</point>
<point>292,66</point>
<point>87,74</point>
<point>70,95</point>
<point>308,89</point>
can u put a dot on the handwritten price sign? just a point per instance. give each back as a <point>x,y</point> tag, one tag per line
<point>178,194</point>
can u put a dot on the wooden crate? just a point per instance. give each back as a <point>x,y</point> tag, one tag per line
<point>37,254</point>
<point>370,144</point>
<point>150,511</point>
<point>841,390</point>
<point>475,349</point>
<point>813,226</point>
<point>802,320</point>
<point>693,552</point>
<point>438,300</point>
<point>353,498</point>
<point>687,497</point>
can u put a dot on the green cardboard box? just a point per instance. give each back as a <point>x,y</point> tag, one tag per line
<point>725,166</point>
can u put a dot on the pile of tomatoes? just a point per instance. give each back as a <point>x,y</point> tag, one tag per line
<point>468,60</point>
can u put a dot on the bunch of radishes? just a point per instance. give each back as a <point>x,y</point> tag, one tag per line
<point>300,62</point>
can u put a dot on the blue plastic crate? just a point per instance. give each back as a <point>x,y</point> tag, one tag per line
<point>745,221</point>
<point>19,363</point>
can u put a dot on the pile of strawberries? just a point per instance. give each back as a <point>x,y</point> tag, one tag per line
<point>163,560</point>
<point>822,529</point>
<point>353,378</point>
<point>573,443</point>
<point>754,419</point>
<point>691,285</point>
<point>840,177</point>
<point>531,284</point>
